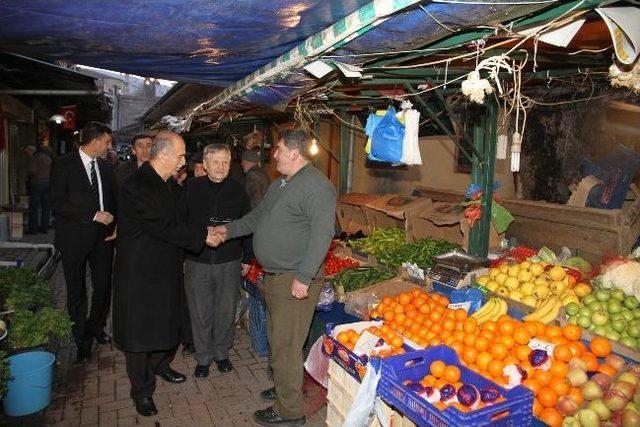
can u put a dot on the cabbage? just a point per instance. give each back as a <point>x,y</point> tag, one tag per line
<point>624,275</point>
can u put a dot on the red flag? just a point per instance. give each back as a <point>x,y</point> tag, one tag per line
<point>69,113</point>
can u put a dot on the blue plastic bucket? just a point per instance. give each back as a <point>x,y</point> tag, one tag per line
<point>29,389</point>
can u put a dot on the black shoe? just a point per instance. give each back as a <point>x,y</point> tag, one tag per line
<point>188,349</point>
<point>171,376</point>
<point>269,417</point>
<point>103,338</point>
<point>224,365</point>
<point>268,394</point>
<point>84,353</point>
<point>146,407</point>
<point>201,371</point>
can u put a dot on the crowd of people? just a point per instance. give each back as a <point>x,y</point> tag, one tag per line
<point>170,252</point>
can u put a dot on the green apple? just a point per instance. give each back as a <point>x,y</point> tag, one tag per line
<point>595,306</point>
<point>614,306</point>
<point>636,314</point>
<point>585,311</point>
<point>588,299</point>
<point>633,330</point>
<point>584,321</point>
<point>618,294</point>
<point>572,308</point>
<point>573,319</point>
<point>629,342</point>
<point>627,315</point>
<point>600,330</point>
<point>599,318</point>
<point>619,325</point>
<point>602,295</point>
<point>612,335</point>
<point>630,302</point>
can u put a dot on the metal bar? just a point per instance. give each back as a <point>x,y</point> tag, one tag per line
<point>490,126</point>
<point>49,92</point>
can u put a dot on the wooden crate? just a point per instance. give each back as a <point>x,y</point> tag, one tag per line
<point>592,232</point>
<point>350,212</point>
<point>341,393</point>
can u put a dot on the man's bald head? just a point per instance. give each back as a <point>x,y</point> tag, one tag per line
<point>167,153</point>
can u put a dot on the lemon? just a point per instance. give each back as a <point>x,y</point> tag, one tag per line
<point>536,268</point>
<point>513,271</point>
<point>558,287</point>
<point>515,295</point>
<point>525,276</point>
<point>492,285</point>
<point>525,264</point>
<point>500,278</point>
<point>527,288</point>
<point>569,299</point>
<point>557,273</point>
<point>582,290</point>
<point>541,281</point>
<point>512,283</point>
<point>502,291</point>
<point>529,300</point>
<point>483,280</point>
<point>494,272</point>
<point>504,268</point>
<point>541,292</point>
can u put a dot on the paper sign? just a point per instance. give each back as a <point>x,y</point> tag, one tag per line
<point>536,344</point>
<point>625,31</point>
<point>318,69</point>
<point>463,305</point>
<point>349,71</point>
<point>559,36</point>
<point>366,343</point>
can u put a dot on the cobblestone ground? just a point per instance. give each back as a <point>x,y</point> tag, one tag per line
<point>96,393</point>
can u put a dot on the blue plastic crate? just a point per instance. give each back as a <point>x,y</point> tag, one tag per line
<point>516,410</point>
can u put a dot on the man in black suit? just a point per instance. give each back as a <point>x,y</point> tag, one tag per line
<point>84,202</point>
<point>141,149</point>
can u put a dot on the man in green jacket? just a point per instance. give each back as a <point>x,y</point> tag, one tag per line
<point>292,228</point>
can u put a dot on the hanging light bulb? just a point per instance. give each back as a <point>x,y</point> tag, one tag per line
<point>313,149</point>
<point>58,119</point>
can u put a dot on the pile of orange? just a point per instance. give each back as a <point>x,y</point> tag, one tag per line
<point>487,349</point>
<point>350,337</point>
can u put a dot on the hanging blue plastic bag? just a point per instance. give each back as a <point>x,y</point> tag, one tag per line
<point>386,141</point>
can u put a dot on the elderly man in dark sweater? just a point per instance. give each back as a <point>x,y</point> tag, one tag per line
<point>213,276</point>
<point>292,226</point>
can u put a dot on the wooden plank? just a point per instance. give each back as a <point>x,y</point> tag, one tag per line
<point>439,195</point>
<point>589,243</point>
<point>600,219</point>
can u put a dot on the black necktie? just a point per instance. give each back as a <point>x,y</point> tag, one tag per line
<point>94,183</point>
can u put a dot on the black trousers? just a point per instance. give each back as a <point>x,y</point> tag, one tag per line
<point>39,204</point>
<point>142,369</point>
<point>74,263</point>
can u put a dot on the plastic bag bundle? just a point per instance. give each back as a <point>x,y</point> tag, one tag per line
<point>327,297</point>
<point>387,138</point>
<point>410,144</point>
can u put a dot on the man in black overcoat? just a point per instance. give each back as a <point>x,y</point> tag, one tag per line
<point>84,202</point>
<point>148,295</point>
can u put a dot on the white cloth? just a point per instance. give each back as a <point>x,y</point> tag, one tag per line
<point>86,161</point>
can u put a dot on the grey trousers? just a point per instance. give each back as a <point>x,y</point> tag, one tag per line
<point>212,293</point>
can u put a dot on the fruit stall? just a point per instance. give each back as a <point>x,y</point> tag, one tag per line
<point>527,337</point>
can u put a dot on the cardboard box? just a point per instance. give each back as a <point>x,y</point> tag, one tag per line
<point>350,211</point>
<point>393,210</point>
<point>443,220</point>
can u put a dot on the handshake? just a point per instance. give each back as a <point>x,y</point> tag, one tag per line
<point>216,235</point>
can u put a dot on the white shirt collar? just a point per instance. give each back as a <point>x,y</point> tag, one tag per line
<point>86,160</point>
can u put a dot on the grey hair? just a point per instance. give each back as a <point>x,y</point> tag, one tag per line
<point>296,140</point>
<point>161,144</point>
<point>214,148</point>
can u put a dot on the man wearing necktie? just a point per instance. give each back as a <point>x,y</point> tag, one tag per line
<point>84,203</point>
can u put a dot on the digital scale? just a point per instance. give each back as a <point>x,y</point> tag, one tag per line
<point>455,269</point>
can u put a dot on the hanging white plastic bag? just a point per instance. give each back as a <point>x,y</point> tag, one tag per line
<point>317,364</point>
<point>362,410</point>
<point>410,143</point>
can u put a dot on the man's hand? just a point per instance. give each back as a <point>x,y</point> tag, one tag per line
<point>103,217</point>
<point>299,290</point>
<point>216,236</point>
<point>245,269</point>
<point>112,236</point>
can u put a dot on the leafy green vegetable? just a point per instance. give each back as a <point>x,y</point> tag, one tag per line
<point>390,247</point>
<point>23,289</point>
<point>5,374</point>
<point>358,278</point>
<point>33,329</point>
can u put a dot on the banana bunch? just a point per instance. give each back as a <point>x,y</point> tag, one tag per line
<point>493,309</point>
<point>547,311</point>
